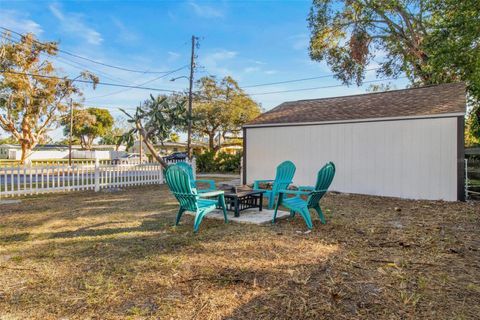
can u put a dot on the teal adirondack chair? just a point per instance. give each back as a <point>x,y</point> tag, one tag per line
<point>188,169</point>
<point>283,177</point>
<point>315,194</point>
<point>179,183</point>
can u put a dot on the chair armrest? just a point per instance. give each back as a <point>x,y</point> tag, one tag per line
<point>318,191</point>
<point>296,192</point>
<point>257,182</point>
<point>211,194</point>
<point>306,188</point>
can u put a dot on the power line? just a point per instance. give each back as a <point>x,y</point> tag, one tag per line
<point>91,60</point>
<point>79,65</point>
<point>88,81</point>
<point>166,73</point>
<point>297,80</point>
<point>323,87</point>
<point>141,84</point>
<point>283,91</point>
<point>109,107</point>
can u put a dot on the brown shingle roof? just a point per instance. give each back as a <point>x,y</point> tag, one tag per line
<point>424,101</point>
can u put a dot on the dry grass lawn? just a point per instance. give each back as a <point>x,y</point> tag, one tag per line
<point>117,255</point>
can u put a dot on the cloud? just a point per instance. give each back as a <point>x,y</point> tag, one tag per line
<point>258,62</point>
<point>251,69</point>
<point>73,23</point>
<point>214,62</point>
<point>19,22</point>
<point>206,11</point>
<point>124,34</point>
<point>299,41</point>
<point>172,15</point>
<point>173,56</point>
<point>271,72</point>
<point>223,54</point>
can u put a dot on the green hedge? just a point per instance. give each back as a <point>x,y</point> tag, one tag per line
<point>218,162</point>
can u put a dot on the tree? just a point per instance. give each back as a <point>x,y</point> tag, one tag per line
<point>112,135</point>
<point>454,50</point>
<point>349,34</point>
<point>31,96</point>
<point>174,137</point>
<point>380,87</point>
<point>221,107</point>
<point>453,44</point>
<point>430,41</point>
<point>88,124</point>
<point>155,121</point>
<point>8,140</point>
<point>472,134</point>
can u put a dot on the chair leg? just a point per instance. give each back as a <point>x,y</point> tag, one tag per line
<point>221,200</point>
<point>306,216</point>
<point>198,219</point>
<point>179,215</point>
<point>292,213</point>
<point>277,204</point>
<point>320,214</point>
<point>271,201</point>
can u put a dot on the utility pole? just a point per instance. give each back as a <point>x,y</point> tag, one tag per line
<point>190,100</point>
<point>70,135</point>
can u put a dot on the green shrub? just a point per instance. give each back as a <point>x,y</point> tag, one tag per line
<point>228,162</point>
<point>206,162</point>
<point>220,162</point>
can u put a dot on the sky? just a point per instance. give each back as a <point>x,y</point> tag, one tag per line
<point>255,42</point>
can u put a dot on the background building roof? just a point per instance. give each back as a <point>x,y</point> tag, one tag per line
<point>423,101</point>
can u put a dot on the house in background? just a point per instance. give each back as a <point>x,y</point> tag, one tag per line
<point>232,147</point>
<point>402,143</point>
<point>231,144</point>
<point>54,151</point>
<point>168,148</point>
<point>5,150</point>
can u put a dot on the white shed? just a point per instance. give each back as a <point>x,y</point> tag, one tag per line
<point>402,143</point>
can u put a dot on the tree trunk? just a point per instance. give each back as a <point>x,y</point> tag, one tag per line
<point>82,143</point>
<point>28,140</point>
<point>150,146</point>
<point>211,141</point>
<point>26,148</point>
<point>89,142</point>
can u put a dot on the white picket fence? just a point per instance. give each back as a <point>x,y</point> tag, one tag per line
<point>96,175</point>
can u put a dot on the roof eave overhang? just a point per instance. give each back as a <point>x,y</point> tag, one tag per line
<point>289,124</point>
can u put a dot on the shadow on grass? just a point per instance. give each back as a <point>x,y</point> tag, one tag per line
<point>16,237</point>
<point>91,231</point>
<point>154,235</point>
<point>42,209</point>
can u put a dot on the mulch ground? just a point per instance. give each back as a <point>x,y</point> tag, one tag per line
<point>118,255</point>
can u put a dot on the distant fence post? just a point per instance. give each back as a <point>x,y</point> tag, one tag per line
<point>97,175</point>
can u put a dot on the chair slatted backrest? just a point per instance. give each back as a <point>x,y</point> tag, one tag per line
<point>324,179</point>
<point>178,182</point>
<point>284,176</point>
<point>188,169</point>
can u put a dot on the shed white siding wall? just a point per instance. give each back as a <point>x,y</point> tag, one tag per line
<point>414,159</point>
